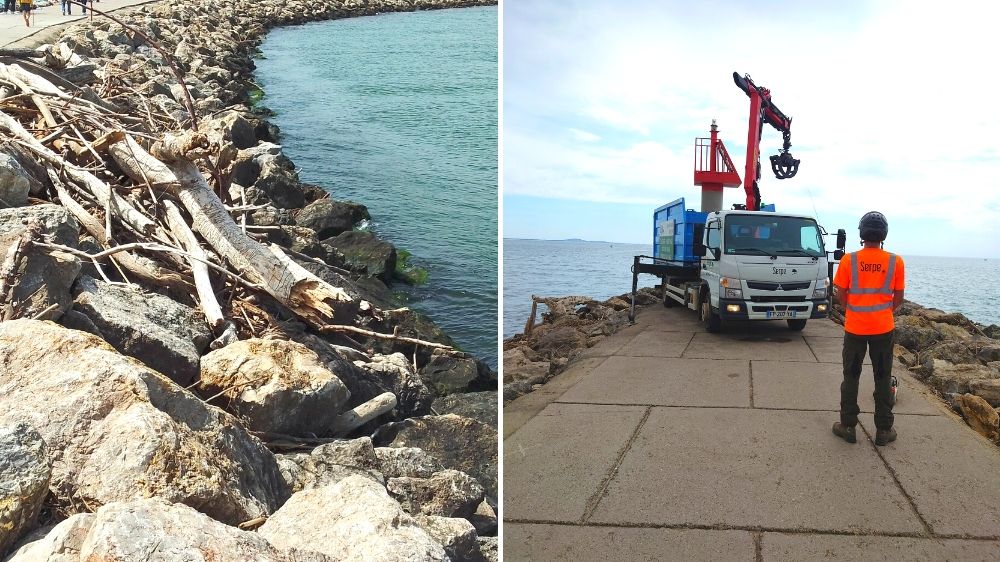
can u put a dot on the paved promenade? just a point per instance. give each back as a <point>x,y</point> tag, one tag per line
<point>669,443</point>
<point>48,21</point>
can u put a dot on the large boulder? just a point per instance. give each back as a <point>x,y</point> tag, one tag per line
<point>518,366</point>
<point>155,531</point>
<point>15,182</point>
<point>456,535</point>
<point>915,333</point>
<point>117,430</point>
<point>395,462</point>
<point>395,374</point>
<point>448,493</point>
<point>987,389</point>
<point>481,406</point>
<point>956,352</point>
<point>233,128</point>
<point>330,463</point>
<point>989,353</point>
<point>43,277</point>
<point>365,253</point>
<point>276,386</point>
<point>447,373</point>
<point>277,184</point>
<point>330,217</point>
<point>359,522</point>
<point>458,443</point>
<point>25,469</point>
<point>979,415</point>
<point>160,332</point>
<point>955,379</point>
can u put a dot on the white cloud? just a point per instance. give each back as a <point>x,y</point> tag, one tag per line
<point>893,108</point>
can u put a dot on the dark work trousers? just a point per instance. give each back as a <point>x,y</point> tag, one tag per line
<point>879,348</point>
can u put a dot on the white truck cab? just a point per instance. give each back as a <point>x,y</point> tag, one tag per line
<point>760,265</point>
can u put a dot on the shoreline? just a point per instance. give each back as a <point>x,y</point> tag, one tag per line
<point>305,391</point>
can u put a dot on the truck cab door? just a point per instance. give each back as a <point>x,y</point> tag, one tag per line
<point>713,253</point>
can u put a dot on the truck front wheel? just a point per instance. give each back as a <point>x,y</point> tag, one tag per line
<point>712,321</point>
<point>796,325</point>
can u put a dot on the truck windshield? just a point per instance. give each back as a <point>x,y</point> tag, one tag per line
<point>771,235</point>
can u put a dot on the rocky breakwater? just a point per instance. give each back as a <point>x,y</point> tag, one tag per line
<point>958,358</point>
<point>199,357</point>
<point>571,325</point>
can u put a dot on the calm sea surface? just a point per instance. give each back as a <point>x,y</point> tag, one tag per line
<point>399,112</point>
<point>602,270</point>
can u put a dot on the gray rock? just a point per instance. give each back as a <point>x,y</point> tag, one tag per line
<point>989,353</point>
<point>480,406</point>
<point>980,415</point>
<point>43,278</point>
<point>300,239</point>
<point>156,531</point>
<point>459,443</point>
<point>14,182</point>
<point>987,389</point>
<point>915,333</point>
<point>25,470</point>
<point>360,522</point>
<point>484,519</point>
<point>279,185</point>
<point>124,431</point>
<point>955,379</point>
<point>448,493</point>
<point>330,463</point>
<point>363,252</point>
<point>395,462</point>
<point>160,332</point>
<point>271,216</point>
<point>233,127</point>
<point>457,536</point>
<point>329,217</point>
<point>277,386</point>
<point>447,373</point>
<point>952,351</point>
<point>395,374</point>
<point>489,548</point>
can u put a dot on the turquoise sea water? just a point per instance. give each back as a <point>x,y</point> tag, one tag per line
<point>602,270</point>
<point>399,112</point>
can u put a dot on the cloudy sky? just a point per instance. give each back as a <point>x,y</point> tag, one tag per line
<point>895,108</point>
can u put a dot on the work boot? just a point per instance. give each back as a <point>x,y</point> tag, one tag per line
<point>844,432</point>
<point>885,436</point>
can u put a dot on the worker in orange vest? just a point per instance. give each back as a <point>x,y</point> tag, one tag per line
<point>870,285</point>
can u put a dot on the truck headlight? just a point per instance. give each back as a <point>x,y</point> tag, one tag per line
<point>822,288</point>
<point>731,288</point>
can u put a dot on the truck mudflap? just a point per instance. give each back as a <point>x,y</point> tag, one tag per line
<point>734,309</point>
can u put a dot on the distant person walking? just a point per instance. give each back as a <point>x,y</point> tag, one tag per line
<point>26,7</point>
<point>67,8</point>
<point>870,287</point>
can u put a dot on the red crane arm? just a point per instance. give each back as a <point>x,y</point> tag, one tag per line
<point>763,110</point>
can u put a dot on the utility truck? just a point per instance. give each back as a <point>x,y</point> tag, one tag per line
<point>748,263</point>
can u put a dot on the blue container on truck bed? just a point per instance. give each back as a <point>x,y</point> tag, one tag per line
<point>676,230</point>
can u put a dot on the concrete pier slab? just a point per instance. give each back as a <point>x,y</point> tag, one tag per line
<point>775,345</point>
<point>571,544</point>
<point>816,386</point>
<point>778,546</point>
<point>665,382</point>
<point>559,459</point>
<point>637,457</point>
<point>749,468</point>
<point>951,473</point>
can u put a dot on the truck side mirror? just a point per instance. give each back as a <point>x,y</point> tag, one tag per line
<point>838,254</point>
<point>716,252</point>
<point>699,250</point>
<point>841,240</point>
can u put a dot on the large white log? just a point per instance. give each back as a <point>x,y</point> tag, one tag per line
<point>312,299</point>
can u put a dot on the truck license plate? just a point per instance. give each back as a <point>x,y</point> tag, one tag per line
<point>780,314</point>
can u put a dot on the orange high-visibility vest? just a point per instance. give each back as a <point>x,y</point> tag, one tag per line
<point>873,280</point>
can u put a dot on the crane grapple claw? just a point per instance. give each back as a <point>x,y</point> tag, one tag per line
<point>784,166</point>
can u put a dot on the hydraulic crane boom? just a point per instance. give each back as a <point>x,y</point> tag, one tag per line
<point>763,110</point>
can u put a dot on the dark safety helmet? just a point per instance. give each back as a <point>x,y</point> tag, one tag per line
<point>873,227</point>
